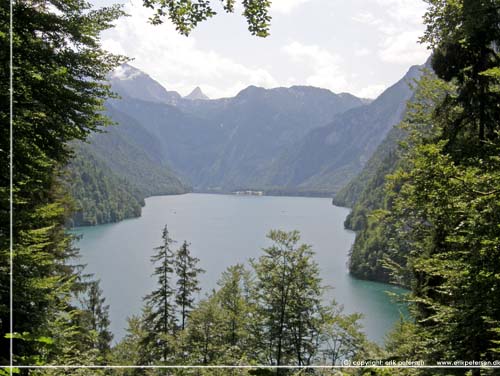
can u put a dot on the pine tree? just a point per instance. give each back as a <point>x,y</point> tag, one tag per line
<point>98,318</point>
<point>188,284</point>
<point>159,313</point>
<point>59,71</point>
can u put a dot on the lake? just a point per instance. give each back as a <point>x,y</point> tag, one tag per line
<point>224,230</point>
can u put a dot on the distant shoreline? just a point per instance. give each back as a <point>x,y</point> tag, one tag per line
<point>229,193</point>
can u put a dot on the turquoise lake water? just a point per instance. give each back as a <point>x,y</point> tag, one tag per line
<point>224,230</point>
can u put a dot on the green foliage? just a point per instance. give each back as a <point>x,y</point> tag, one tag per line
<point>131,350</point>
<point>160,311</point>
<point>440,224</point>
<point>464,36</point>
<point>8,371</point>
<point>186,15</point>
<point>342,336</point>
<point>205,335</point>
<point>450,214</point>
<point>436,227</point>
<point>157,335</point>
<point>370,214</point>
<point>403,342</point>
<point>289,297</point>
<point>59,69</point>
<point>187,281</point>
<point>96,318</point>
<point>238,306</point>
<point>100,196</point>
<point>271,315</point>
<point>445,195</point>
<point>110,176</point>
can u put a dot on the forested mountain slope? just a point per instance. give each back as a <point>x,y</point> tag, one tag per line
<point>328,157</point>
<point>273,140</point>
<point>227,144</point>
<point>377,166</point>
<point>365,194</point>
<point>130,151</point>
<point>100,195</point>
<point>113,172</point>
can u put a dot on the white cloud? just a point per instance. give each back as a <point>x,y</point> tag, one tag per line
<point>402,48</point>
<point>286,6</point>
<point>404,11</point>
<point>324,66</point>
<point>399,24</point>
<point>372,91</point>
<point>387,42</point>
<point>177,62</point>
<point>367,18</point>
<point>363,52</point>
<point>325,69</point>
<point>124,73</point>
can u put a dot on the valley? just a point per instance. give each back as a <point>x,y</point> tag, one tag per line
<point>297,141</point>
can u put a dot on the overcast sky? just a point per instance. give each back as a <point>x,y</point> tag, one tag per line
<point>355,46</point>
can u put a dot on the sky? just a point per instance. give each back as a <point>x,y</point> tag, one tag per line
<point>355,46</point>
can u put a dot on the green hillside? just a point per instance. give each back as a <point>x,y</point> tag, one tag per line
<point>100,195</point>
<point>112,174</point>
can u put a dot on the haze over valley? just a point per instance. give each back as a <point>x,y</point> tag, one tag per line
<point>300,140</point>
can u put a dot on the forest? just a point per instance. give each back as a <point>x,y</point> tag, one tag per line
<point>270,313</point>
<point>427,216</point>
<point>105,196</point>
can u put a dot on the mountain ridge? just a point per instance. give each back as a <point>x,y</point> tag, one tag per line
<point>248,131</point>
<point>300,140</point>
<point>328,157</point>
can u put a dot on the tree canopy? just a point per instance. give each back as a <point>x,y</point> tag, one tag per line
<point>186,15</point>
<point>59,72</point>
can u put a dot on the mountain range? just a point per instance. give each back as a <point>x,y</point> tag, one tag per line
<point>299,140</point>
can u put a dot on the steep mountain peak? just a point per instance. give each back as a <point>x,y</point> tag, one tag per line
<point>197,94</point>
<point>126,72</point>
<point>131,82</point>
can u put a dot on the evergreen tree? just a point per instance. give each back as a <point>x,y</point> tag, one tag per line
<point>59,69</point>
<point>58,94</point>
<point>276,314</point>
<point>159,314</point>
<point>187,281</point>
<point>98,318</point>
